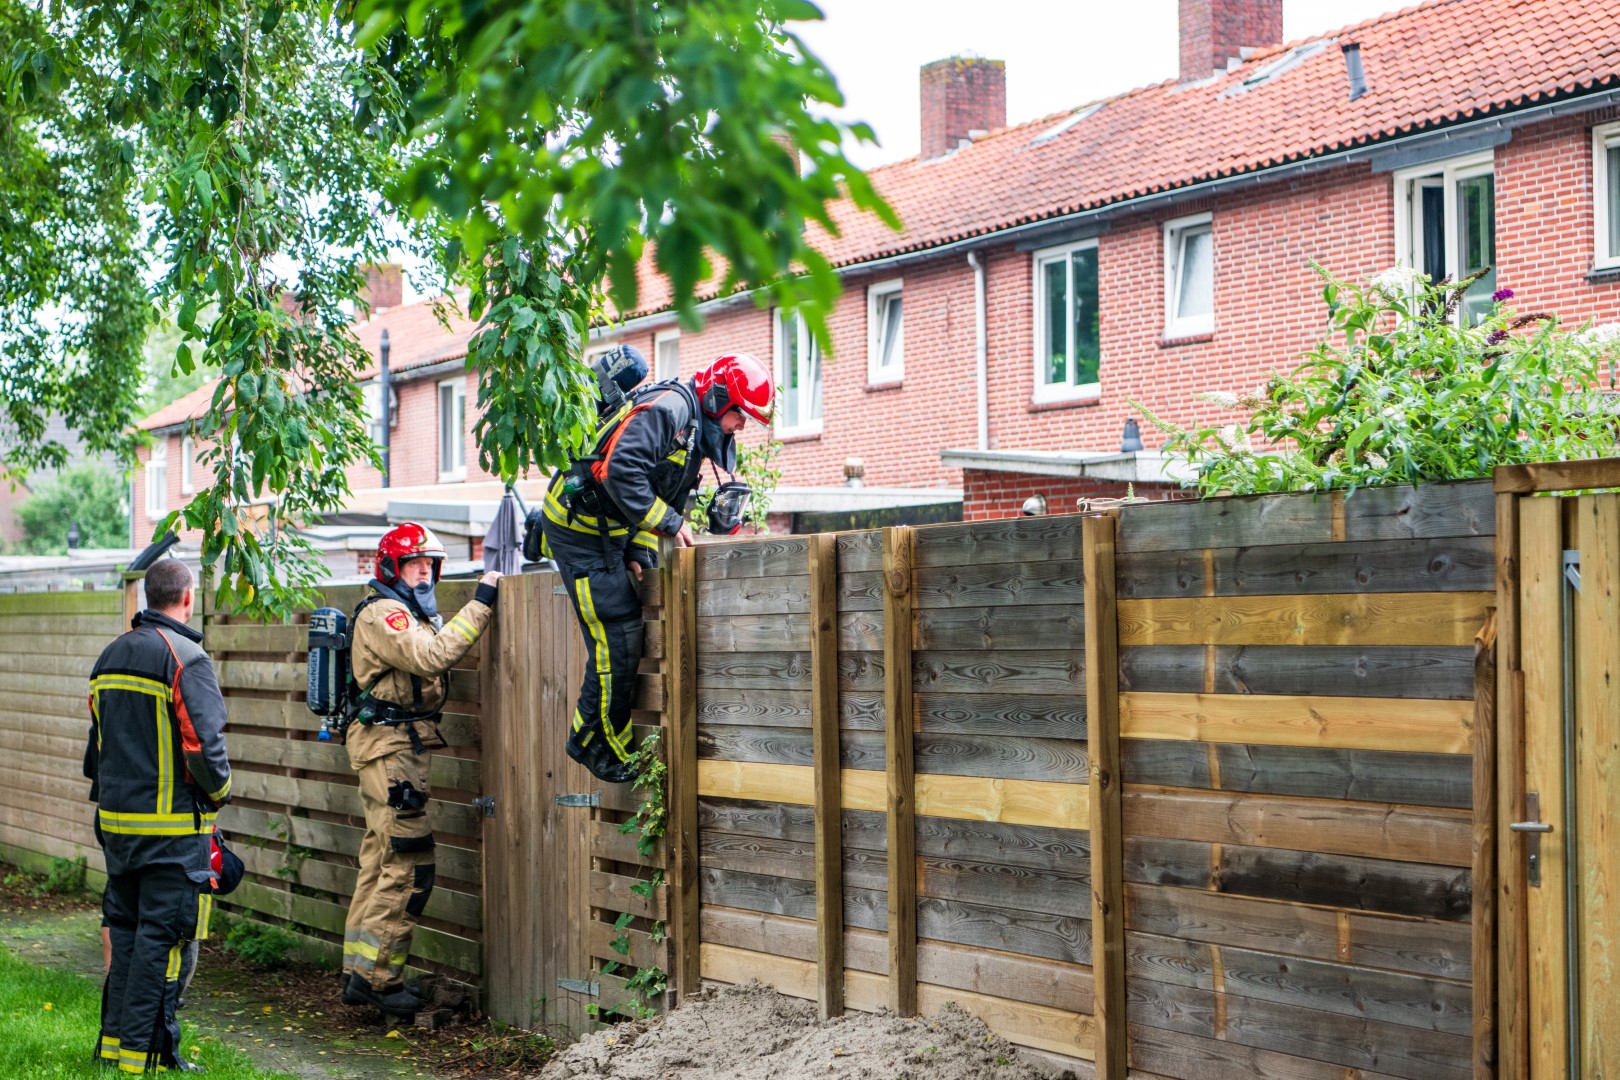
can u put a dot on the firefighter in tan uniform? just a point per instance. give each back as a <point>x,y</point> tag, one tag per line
<point>400,658</point>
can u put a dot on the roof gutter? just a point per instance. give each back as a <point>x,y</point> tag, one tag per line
<point>1468,132</point>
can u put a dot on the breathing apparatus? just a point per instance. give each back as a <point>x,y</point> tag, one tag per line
<point>728,507</point>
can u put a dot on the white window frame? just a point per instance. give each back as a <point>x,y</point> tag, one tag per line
<point>660,339</point>
<point>1407,185</point>
<point>1605,137</point>
<point>157,478</point>
<point>1176,231</point>
<point>187,456</point>
<point>458,456</point>
<point>806,347</point>
<point>877,297</point>
<point>1044,391</point>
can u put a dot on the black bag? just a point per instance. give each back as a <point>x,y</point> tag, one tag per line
<point>229,874</point>
<point>532,522</point>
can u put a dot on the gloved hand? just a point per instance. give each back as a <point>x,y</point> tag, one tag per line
<point>486,592</point>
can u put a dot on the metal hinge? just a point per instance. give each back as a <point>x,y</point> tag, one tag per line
<point>485,804</point>
<point>580,986</point>
<point>1572,569</point>
<point>590,799</point>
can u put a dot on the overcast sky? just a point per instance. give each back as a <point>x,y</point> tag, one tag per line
<point>1060,53</point>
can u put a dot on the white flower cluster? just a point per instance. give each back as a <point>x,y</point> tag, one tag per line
<point>1397,282</point>
<point>1604,337</point>
<point>1224,398</point>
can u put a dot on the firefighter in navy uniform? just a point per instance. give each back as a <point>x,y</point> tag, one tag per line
<point>159,773</point>
<point>400,658</point>
<point>604,515</point>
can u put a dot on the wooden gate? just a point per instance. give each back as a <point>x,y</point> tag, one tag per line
<point>1567,813</point>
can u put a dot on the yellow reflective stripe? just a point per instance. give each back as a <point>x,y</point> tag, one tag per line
<point>464,628</point>
<point>155,824</point>
<point>122,816</point>
<point>173,971</point>
<point>558,513</point>
<point>646,539</point>
<point>136,683</point>
<point>362,949</point>
<point>205,914</point>
<point>604,659</point>
<point>224,790</point>
<point>165,762</point>
<point>678,457</point>
<point>655,513</point>
<point>109,1047</point>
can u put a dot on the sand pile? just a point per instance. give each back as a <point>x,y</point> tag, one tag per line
<point>753,1033</point>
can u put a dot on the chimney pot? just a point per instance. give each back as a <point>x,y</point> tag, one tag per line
<point>1353,69</point>
<point>384,287</point>
<point>1215,33</point>
<point>961,97</point>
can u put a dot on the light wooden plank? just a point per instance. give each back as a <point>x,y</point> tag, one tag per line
<point>682,588</point>
<point>972,798</point>
<point>824,714</point>
<point>1557,475</point>
<point>899,555</point>
<point>1482,913</point>
<point>1414,725</point>
<point>1375,830</point>
<point>1327,619</point>
<point>1512,970</point>
<point>1597,778</point>
<point>1104,725</point>
<point>1541,547</point>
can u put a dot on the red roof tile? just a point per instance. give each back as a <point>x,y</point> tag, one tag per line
<point>416,339</point>
<point>1426,66</point>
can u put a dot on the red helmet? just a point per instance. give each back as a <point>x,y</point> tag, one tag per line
<point>736,379</point>
<point>407,541</point>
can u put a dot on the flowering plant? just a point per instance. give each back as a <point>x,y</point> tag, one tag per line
<point>1398,392</point>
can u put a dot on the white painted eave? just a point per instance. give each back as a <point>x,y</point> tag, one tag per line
<point>1139,467</point>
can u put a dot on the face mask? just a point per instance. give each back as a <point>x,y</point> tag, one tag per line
<point>717,446</point>
<point>728,508</point>
<point>426,602</point>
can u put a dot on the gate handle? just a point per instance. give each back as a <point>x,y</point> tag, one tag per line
<point>1530,826</point>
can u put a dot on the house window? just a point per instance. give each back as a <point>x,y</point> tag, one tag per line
<point>1606,194</point>
<point>452,430</point>
<point>666,354</point>
<point>885,334</point>
<point>1189,276</point>
<point>157,478</point>
<point>1445,225</point>
<point>1068,351</point>
<point>798,375</point>
<point>187,456</point>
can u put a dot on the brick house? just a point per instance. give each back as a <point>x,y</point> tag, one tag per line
<point>1145,247</point>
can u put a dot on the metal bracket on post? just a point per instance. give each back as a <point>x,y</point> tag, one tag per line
<point>580,986</point>
<point>485,804</point>
<point>1572,569</point>
<point>593,798</point>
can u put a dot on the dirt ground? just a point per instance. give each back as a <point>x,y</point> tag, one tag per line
<point>753,1033</point>
<point>289,1020</point>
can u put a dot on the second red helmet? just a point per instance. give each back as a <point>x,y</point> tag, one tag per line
<point>407,541</point>
<point>736,379</point>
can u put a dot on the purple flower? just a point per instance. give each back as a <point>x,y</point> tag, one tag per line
<point>1496,337</point>
<point>1502,294</point>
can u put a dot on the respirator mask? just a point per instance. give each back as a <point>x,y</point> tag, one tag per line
<point>729,507</point>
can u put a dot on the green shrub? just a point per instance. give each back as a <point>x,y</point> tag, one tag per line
<point>65,877</point>
<point>1399,391</point>
<point>260,944</point>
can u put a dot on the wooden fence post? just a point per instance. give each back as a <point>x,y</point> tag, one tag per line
<point>1511,992</point>
<point>898,549</point>
<point>680,656</point>
<point>827,759</point>
<point>1107,858</point>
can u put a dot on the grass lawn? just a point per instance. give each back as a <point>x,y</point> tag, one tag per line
<point>50,1020</point>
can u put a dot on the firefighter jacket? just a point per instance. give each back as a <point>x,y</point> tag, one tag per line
<point>403,661</point>
<point>648,454</point>
<point>156,755</point>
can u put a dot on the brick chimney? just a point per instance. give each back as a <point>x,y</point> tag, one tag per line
<point>384,287</point>
<point>1215,31</point>
<point>961,95</point>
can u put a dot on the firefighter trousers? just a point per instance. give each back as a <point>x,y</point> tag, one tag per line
<point>153,918</point>
<point>397,867</point>
<point>609,611</point>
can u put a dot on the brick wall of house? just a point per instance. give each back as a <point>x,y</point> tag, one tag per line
<point>1268,312</point>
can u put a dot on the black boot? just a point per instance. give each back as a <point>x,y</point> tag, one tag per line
<point>393,999</point>
<point>605,765</point>
<point>353,997</point>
